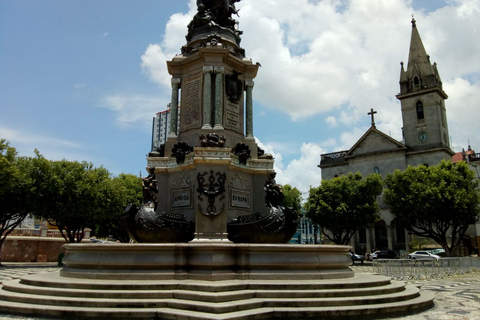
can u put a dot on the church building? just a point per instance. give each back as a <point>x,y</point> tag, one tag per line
<point>425,141</point>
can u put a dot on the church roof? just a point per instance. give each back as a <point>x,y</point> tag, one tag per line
<point>371,143</point>
<point>374,141</point>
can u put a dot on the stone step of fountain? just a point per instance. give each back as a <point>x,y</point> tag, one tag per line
<point>201,295</point>
<point>49,294</point>
<point>369,311</point>
<point>197,301</point>
<point>53,279</point>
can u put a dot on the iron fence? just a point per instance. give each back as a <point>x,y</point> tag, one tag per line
<point>409,269</point>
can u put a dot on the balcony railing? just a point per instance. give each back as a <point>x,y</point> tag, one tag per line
<point>43,232</point>
<point>408,269</point>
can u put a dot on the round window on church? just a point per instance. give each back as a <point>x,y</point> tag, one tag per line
<point>422,137</point>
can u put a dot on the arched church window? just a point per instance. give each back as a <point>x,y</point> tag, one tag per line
<point>420,113</point>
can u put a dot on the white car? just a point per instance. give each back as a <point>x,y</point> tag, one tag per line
<point>423,255</point>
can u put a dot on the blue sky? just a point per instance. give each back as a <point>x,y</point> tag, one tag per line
<point>82,80</point>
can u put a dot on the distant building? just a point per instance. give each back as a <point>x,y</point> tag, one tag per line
<point>307,232</point>
<point>161,128</point>
<point>473,161</point>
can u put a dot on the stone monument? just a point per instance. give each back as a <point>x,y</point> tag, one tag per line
<point>213,225</point>
<point>214,182</point>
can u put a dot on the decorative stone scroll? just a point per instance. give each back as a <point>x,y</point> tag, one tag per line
<point>192,103</point>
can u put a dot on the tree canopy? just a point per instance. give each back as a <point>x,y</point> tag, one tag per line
<point>293,197</point>
<point>75,195</point>
<point>344,204</point>
<point>128,189</point>
<point>438,202</point>
<point>14,188</point>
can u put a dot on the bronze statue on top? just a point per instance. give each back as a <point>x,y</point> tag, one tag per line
<point>214,12</point>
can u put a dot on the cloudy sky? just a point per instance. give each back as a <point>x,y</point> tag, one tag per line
<point>82,79</point>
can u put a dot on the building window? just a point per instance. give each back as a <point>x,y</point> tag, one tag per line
<point>420,113</point>
<point>416,83</point>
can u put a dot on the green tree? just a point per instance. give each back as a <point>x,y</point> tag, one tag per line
<point>438,202</point>
<point>71,195</point>
<point>293,197</point>
<point>14,191</point>
<point>344,204</point>
<point>126,189</point>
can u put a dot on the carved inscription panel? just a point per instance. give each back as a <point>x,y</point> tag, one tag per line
<point>191,103</point>
<point>232,116</point>
<point>181,198</point>
<point>240,199</point>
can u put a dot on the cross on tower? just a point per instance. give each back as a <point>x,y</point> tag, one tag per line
<point>372,113</point>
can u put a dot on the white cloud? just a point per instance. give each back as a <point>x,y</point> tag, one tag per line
<point>297,173</point>
<point>331,121</point>
<point>50,147</point>
<point>462,113</point>
<point>155,57</point>
<point>132,110</point>
<point>343,57</point>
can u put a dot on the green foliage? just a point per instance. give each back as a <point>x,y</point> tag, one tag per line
<point>344,204</point>
<point>293,197</point>
<point>70,194</point>
<point>431,201</point>
<point>14,188</point>
<point>128,190</point>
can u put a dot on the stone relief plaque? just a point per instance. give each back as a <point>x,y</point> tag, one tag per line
<point>192,103</point>
<point>240,199</point>
<point>240,181</point>
<point>182,181</point>
<point>181,198</point>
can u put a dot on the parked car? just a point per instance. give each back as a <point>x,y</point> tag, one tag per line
<point>357,257</point>
<point>384,254</point>
<point>423,255</point>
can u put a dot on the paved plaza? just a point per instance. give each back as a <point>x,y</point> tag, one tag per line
<point>456,297</point>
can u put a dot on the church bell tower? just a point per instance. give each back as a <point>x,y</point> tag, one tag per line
<point>425,126</point>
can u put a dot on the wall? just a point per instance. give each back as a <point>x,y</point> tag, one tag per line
<point>31,249</point>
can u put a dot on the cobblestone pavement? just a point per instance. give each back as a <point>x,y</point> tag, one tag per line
<point>456,297</point>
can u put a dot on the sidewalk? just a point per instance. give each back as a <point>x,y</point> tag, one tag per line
<point>456,297</point>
